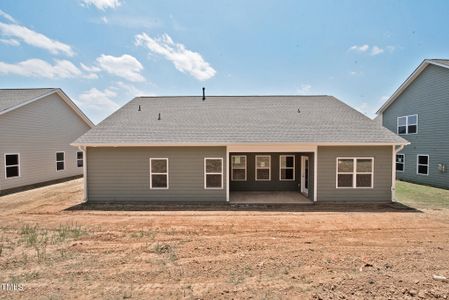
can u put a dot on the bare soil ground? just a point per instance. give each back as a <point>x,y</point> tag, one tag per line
<point>54,253</point>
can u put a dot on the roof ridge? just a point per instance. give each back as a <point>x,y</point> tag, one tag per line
<point>233,96</point>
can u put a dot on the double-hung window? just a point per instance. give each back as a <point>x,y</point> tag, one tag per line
<point>263,167</point>
<point>213,173</point>
<point>12,165</point>
<point>159,173</point>
<point>59,161</point>
<point>287,167</point>
<point>400,162</point>
<point>355,172</point>
<point>79,159</point>
<point>422,166</point>
<point>407,124</point>
<point>238,166</point>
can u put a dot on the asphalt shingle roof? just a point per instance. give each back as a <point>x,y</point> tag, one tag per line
<point>237,120</point>
<point>12,97</point>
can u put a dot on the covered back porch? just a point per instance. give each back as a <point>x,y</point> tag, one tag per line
<point>271,174</point>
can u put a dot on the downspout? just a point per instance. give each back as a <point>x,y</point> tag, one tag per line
<point>393,172</point>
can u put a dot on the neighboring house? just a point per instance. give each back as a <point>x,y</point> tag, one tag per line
<point>419,112</point>
<point>36,129</point>
<point>205,149</point>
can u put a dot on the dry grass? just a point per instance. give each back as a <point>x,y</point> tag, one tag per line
<point>61,254</point>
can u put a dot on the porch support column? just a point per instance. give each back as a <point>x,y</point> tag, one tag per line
<point>84,149</point>
<point>315,173</point>
<point>227,173</point>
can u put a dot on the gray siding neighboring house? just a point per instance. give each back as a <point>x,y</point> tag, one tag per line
<point>160,149</point>
<point>35,124</point>
<point>425,94</point>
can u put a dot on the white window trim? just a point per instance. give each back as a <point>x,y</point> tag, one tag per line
<point>406,124</point>
<point>280,167</point>
<point>159,173</point>
<point>354,173</point>
<point>77,159</point>
<point>18,165</point>
<point>63,161</point>
<point>263,168</point>
<point>403,162</point>
<point>213,173</point>
<point>418,164</point>
<point>245,168</point>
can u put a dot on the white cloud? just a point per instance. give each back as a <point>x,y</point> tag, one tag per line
<point>371,50</point>
<point>90,69</point>
<point>41,69</point>
<point>125,66</point>
<point>99,104</point>
<point>102,4</point>
<point>130,90</point>
<point>376,50</point>
<point>10,42</point>
<point>7,17</point>
<point>184,60</point>
<point>356,73</point>
<point>304,89</point>
<point>104,20</point>
<point>35,39</point>
<point>361,48</point>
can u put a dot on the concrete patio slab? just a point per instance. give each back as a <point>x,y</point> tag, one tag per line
<point>268,198</point>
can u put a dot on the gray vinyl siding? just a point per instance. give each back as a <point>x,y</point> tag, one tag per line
<point>37,131</point>
<point>428,97</point>
<point>122,174</point>
<point>274,184</point>
<point>327,175</point>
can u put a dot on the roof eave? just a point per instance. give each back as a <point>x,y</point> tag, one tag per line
<point>84,144</point>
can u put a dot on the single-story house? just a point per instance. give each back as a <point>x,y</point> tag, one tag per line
<point>36,129</point>
<point>212,148</point>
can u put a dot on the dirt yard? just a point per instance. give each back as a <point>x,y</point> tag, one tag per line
<point>48,252</point>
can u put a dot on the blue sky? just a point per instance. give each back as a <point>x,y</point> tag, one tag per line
<point>102,53</point>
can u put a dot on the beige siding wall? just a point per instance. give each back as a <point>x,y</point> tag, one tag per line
<point>122,174</point>
<point>37,131</point>
<point>327,165</point>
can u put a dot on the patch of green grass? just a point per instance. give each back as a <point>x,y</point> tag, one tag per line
<point>34,237</point>
<point>71,231</point>
<point>421,196</point>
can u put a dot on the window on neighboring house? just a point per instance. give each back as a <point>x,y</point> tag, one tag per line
<point>408,124</point>
<point>213,173</point>
<point>12,165</point>
<point>287,167</point>
<point>159,173</point>
<point>79,159</point>
<point>400,162</point>
<point>263,167</point>
<point>238,167</point>
<point>355,172</point>
<point>59,161</point>
<point>422,167</point>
